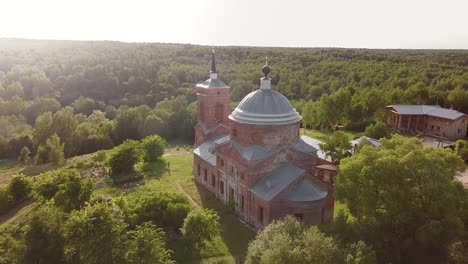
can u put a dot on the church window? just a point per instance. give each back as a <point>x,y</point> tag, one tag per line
<point>219,112</point>
<point>222,162</point>
<point>221,187</point>
<point>260,214</point>
<point>205,172</point>
<point>299,217</point>
<point>231,169</point>
<point>242,203</point>
<point>234,132</point>
<point>201,111</point>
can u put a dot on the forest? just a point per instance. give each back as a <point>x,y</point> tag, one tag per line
<point>84,108</point>
<point>94,95</point>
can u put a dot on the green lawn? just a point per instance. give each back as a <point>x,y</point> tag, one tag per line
<point>8,169</point>
<point>234,237</point>
<point>322,135</point>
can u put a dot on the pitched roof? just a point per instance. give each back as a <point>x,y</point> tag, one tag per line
<point>212,83</point>
<point>306,191</point>
<point>276,181</point>
<point>207,150</point>
<point>373,141</point>
<point>431,110</point>
<point>315,144</point>
<point>301,145</point>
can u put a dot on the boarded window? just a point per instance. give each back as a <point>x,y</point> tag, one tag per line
<point>219,112</point>
<point>260,214</point>
<point>221,187</point>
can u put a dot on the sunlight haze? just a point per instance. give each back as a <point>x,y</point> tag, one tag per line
<point>354,24</point>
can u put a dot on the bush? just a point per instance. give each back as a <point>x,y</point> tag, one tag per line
<point>67,188</point>
<point>6,201</point>
<point>378,130</point>
<point>52,151</point>
<point>201,226</point>
<point>24,155</point>
<point>123,158</point>
<point>167,210</point>
<point>19,188</point>
<point>153,148</point>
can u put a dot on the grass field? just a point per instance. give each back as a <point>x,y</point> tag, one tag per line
<point>322,135</point>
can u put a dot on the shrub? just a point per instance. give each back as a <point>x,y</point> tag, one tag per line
<point>167,210</point>
<point>378,130</point>
<point>24,155</point>
<point>67,188</point>
<point>19,188</point>
<point>201,226</point>
<point>6,201</point>
<point>153,148</point>
<point>123,158</point>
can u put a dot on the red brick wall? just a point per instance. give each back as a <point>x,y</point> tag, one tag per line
<point>207,99</point>
<point>265,136</point>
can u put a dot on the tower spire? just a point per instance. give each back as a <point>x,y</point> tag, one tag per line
<point>213,62</point>
<point>213,71</point>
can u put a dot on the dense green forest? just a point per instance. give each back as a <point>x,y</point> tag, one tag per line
<point>61,99</point>
<point>94,95</point>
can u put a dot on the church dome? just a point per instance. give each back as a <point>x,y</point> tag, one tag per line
<point>265,106</point>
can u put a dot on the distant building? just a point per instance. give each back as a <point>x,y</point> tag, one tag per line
<point>358,141</point>
<point>429,119</point>
<point>254,159</point>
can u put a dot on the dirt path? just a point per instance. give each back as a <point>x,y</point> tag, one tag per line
<point>186,194</point>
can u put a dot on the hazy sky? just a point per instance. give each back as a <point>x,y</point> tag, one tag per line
<point>306,23</point>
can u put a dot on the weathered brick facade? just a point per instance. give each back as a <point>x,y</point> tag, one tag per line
<point>232,157</point>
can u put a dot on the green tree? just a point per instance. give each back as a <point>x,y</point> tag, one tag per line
<point>336,146</point>
<point>153,148</point>
<point>407,196</point>
<point>24,155</point>
<point>52,151</point>
<point>96,234</point>
<point>123,158</point>
<point>6,201</point>
<point>461,148</point>
<point>146,245</point>
<point>287,241</point>
<point>44,241</point>
<point>20,188</point>
<point>201,226</point>
<point>164,209</point>
<point>65,188</point>
<point>378,130</point>
<point>11,247</point>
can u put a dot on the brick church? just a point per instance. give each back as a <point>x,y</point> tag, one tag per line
<point>254,158</point>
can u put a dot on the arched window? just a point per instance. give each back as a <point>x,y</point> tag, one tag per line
<point>201,111</point>
<point>219,115</point>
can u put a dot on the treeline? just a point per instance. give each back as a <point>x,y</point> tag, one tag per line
<point>100,129</point>
<point>115,81</point>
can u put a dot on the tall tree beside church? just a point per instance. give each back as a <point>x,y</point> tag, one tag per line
<point>407,197</point>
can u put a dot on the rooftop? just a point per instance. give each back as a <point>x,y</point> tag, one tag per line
<point>430,110</point>
<point>265,106</point>
<point>306,191</point>
<point>373,141</point>
<point>276,181</point>
<point>207,150</point>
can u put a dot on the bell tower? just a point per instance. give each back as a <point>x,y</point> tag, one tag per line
<point>213,108</point>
